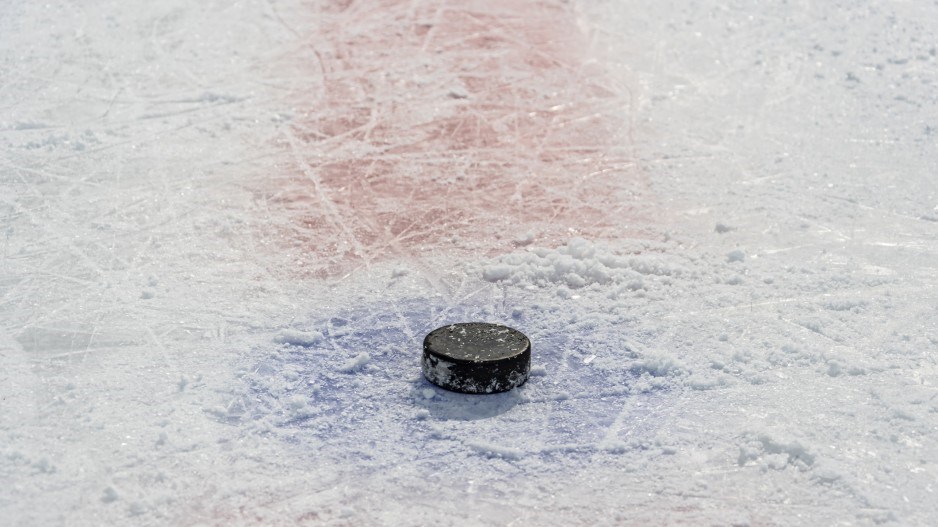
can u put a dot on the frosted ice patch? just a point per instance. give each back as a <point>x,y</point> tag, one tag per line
<point>495,450</point>
<point>658,365</point>
<point>296,337</point>
<point>356,363</point>
<point>578,264</point>
<point>496,272</point>
<point>776,452</point>
<point>525,239</point>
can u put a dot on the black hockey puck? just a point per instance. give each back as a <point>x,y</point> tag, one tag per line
<point>476,357</point>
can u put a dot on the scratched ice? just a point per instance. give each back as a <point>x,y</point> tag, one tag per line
<point>225,228</point>
<point>319,390</point>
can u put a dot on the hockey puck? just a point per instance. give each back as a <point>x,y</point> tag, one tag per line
<point>476,357</point>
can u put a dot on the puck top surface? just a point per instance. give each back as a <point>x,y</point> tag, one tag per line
<point>476,342</point>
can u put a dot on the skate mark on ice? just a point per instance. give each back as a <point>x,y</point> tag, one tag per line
<point>459,128</point>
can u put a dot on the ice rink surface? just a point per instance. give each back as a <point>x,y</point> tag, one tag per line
<point>225,228</point>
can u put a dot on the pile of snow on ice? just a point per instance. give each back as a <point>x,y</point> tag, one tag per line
<point>578,264</point>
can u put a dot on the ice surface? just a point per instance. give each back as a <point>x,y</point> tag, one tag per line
<point>468,129</point>
<point>225,229</point>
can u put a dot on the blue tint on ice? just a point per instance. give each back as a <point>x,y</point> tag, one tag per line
<point>579,398</point>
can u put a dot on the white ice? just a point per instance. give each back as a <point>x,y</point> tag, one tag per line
<point>764,354</point>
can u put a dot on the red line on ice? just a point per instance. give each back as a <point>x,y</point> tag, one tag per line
<point>462,127</point>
